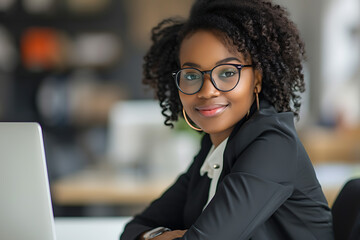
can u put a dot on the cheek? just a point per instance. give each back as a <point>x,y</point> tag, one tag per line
<point>242,97</point>
<point>184,99</point>
<point>181,98</point>
<point>242,93</point>
<point>187,102</point>
<point>241,102</point>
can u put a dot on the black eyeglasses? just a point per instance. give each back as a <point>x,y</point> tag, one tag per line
<point>224,77</point>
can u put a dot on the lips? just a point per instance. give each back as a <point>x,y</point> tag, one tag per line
<point>211,111</point>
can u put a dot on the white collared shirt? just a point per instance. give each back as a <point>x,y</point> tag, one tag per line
<point>213,166</point>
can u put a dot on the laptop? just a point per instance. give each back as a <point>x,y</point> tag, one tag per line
<point>25,204</point>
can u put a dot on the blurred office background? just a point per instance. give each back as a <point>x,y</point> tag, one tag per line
<point>75,67</point>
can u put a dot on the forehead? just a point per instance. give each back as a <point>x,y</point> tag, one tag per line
<point>205,46</point>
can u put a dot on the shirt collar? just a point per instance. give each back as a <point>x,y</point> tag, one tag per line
<point>214,160</point>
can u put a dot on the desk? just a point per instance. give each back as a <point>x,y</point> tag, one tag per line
<point>89,228</point>
<point>104,185</point>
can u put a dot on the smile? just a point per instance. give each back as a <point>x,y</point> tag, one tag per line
<point>211,111</point>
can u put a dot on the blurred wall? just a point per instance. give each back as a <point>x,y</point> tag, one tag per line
<point>308,15</point>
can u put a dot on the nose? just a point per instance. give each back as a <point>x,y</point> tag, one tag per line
<point>208,89</point>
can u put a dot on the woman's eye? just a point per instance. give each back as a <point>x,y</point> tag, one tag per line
<point>191,76</point>
<point>227,74</point>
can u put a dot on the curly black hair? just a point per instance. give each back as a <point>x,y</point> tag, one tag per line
<point>259,29</point>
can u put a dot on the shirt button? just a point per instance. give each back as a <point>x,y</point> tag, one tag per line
<point>216,166</point>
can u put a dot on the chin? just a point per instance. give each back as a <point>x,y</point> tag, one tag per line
<point>213,130</point>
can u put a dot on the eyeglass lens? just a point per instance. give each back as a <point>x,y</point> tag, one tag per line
<point>225,78</point>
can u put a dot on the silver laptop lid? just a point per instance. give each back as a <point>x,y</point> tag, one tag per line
<point>25,204</point>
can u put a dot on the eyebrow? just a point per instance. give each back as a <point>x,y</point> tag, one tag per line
<point>190,64</point>
<point>228,60</point>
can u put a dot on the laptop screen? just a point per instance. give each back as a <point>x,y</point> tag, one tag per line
<point>25,204</point>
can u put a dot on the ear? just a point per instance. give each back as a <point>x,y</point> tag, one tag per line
<point>258,80</point>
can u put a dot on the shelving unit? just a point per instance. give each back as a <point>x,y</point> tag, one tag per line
<point>60,22</point>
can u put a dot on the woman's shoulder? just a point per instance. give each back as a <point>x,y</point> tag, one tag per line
<point>268,139</point>
<point>265,123</point>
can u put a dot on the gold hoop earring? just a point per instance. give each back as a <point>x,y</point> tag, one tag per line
<point>257,99</point>
<point>187,121</point>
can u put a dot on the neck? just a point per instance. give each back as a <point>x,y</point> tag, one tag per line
<point>217,138</point>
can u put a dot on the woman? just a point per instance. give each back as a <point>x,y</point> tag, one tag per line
<point>233,69</point>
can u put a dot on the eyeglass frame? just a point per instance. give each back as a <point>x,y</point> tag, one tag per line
<point>238,67</point>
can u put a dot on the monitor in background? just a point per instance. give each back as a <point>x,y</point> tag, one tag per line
<point>140,144</point>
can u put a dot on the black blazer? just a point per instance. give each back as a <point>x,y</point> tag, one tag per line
<point>267,189</point>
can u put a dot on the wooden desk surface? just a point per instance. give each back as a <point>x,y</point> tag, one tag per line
<point>103,185</point>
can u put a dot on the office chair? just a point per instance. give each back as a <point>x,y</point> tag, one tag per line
<point>346,212</point>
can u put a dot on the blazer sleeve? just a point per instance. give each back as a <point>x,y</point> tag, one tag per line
<point>260,181</point>
<point>164,211</point>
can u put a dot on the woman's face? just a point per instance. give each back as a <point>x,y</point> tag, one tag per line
<point>214,111</point>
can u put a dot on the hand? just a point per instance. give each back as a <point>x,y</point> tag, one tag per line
<point>170,235</point>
